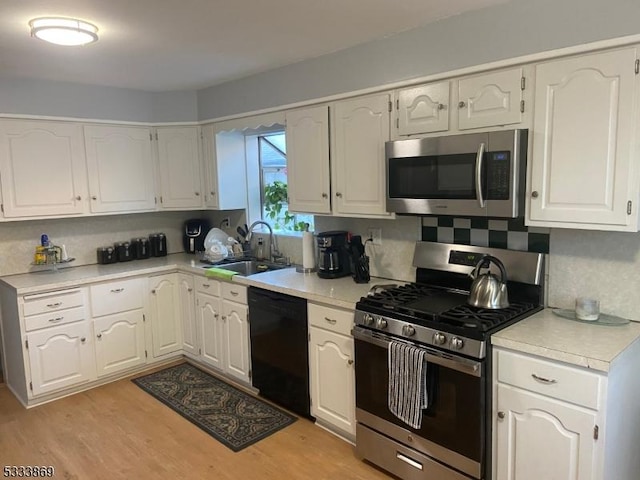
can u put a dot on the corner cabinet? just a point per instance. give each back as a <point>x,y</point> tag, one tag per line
<point>584,172</point>
<point>308,177</point>
<point>43,169</point>
<point>179,167</point>
<point>120,165</point>
<point>360,128</point>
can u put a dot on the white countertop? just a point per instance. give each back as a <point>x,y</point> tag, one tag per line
<point>578,343</point>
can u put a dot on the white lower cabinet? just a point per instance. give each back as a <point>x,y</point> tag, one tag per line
<point>188,315</point>
<point>166,325</point>
<point>120,343</point>
<point>236,339</point>
<point>61,357</point>
<point>208,313</point>
<point>331,368</point>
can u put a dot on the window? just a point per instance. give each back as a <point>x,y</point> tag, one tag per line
<point>272,161</point>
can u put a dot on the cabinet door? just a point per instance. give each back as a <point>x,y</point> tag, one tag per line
<point>43,168</point>
<point>361,128</point>
<point>166,328</point>
<point>540,437</point>
<point>491,99</point>
<point>119,342</point>
<point>308,160</point>
<point>236,340</point>
<point>187,314</point>
<point>423,109</point>
<point>61,357</point>
<point>211,330</point>
<point>332,379</point>
<point>179,165</point>
<point>224,159</point>
<point>582,173</point>
<point>120,166</point>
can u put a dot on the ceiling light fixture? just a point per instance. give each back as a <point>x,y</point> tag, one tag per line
<point>64,31</point>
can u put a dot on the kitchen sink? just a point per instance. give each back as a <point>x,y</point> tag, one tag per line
<point>249,267</point>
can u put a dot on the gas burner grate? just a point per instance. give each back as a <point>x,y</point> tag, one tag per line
<point>394,298</point>
<point>482,318</point>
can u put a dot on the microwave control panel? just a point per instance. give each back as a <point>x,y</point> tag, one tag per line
<point>498,175</point>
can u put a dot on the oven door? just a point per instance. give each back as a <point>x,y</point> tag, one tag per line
<point>453,426</point>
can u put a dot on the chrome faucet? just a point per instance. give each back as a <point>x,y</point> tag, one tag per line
<point>274,253</point>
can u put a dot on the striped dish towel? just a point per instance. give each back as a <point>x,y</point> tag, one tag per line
<point>407,383</point>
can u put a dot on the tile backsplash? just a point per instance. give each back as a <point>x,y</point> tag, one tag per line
<point>483,232</point>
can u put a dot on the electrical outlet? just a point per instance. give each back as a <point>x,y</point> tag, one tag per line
<point>375,234</point>
<point>225,223</point>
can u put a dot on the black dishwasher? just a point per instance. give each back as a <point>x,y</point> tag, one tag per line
<point>280,348</point>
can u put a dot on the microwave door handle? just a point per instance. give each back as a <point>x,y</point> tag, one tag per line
<point>479,157</point>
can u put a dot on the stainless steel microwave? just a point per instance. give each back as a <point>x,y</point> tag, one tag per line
<point>479,174</point>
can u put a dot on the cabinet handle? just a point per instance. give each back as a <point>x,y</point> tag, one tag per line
<point>440,106</point>
<point>93,197</point>
<point>57,319</point>
<point>78,197</point>
<point>338,194</point>
<point>350,362</point>
<point>54,305</point>
<point>83,339</point>
<point>206,285</point>
<point>461,104</point>
<point>235,294</point>
<point>501,415</point>
<point>99,335</point>
<point>224,318</point>
<point>534,194</point>
<point>324,195</point>
<point>117,290</point>
<point>213,193</point>
<point>215,315</point>
<point>330,320</point>
<point>543,380</point>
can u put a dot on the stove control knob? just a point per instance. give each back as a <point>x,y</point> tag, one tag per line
<point>408,331</point>
<point>381,323</point>
<point>439,338</point>
<point>367,319</point>
<point>457,343</point>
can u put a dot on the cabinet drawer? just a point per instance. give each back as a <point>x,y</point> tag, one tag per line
<point>52,301</point>
<point>50,319</point>
<point>235,293</point>
<point>339,321</point>
<point>206,285</point>
<point>114,297</point>
<point>552,379</point>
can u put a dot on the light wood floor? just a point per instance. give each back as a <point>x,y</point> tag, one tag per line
<point>118,431</point>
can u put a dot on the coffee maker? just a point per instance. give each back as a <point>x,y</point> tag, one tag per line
<point>195,231</point>
<point>333,254</point>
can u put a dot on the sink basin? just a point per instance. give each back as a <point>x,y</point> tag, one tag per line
<point>249,267</point>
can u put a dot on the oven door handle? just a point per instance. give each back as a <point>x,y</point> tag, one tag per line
<point>479,158</point>
<point>460,364</point>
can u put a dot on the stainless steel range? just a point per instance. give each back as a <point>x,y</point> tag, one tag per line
<point>453,441</point>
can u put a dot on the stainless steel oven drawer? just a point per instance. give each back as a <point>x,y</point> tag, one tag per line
<point>398,459</point>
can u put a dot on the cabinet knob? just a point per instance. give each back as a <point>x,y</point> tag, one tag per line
<point>441,106</point>
<point>338,194</point>
<point>534,194</point>
<point>78,197</point>
<point>99,335</point>
<point>153,291</point>
<point>324,195</point>
<point>224,318</point>
<point>462,104</point>
<point>189,290</point>
<point>350,362</point>
<point>501,415</point>
<point>212,193</point>
<point>93,197</point>
<point>83,339</point>
<point>197,194</point>
<point>215,315</point>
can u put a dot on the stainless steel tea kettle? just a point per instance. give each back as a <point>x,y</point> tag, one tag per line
<point>487,290</point>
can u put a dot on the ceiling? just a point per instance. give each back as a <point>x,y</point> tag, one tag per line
<point>163,45</point>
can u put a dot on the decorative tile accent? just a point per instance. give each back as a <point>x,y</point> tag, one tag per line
<point>497,233</point>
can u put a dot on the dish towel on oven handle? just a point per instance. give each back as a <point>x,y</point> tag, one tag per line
<point>408,394</point>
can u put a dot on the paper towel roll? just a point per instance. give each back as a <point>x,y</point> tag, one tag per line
<point>308,250</point>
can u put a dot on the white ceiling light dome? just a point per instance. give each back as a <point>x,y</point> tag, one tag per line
<point>64,31</point>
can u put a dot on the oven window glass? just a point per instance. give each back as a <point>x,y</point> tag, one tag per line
<point>433,177</point>
<point>454,418</point>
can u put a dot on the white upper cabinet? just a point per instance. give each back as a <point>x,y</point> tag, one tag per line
<point>43,169</point>
<point>583,172</point>
<point>423,109</point>
<point>120,166</point>
<point>308,176</point>
<point>360,128</point>
<point>179,167</point>
<point>491,99</point>
<point>224,169</point>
